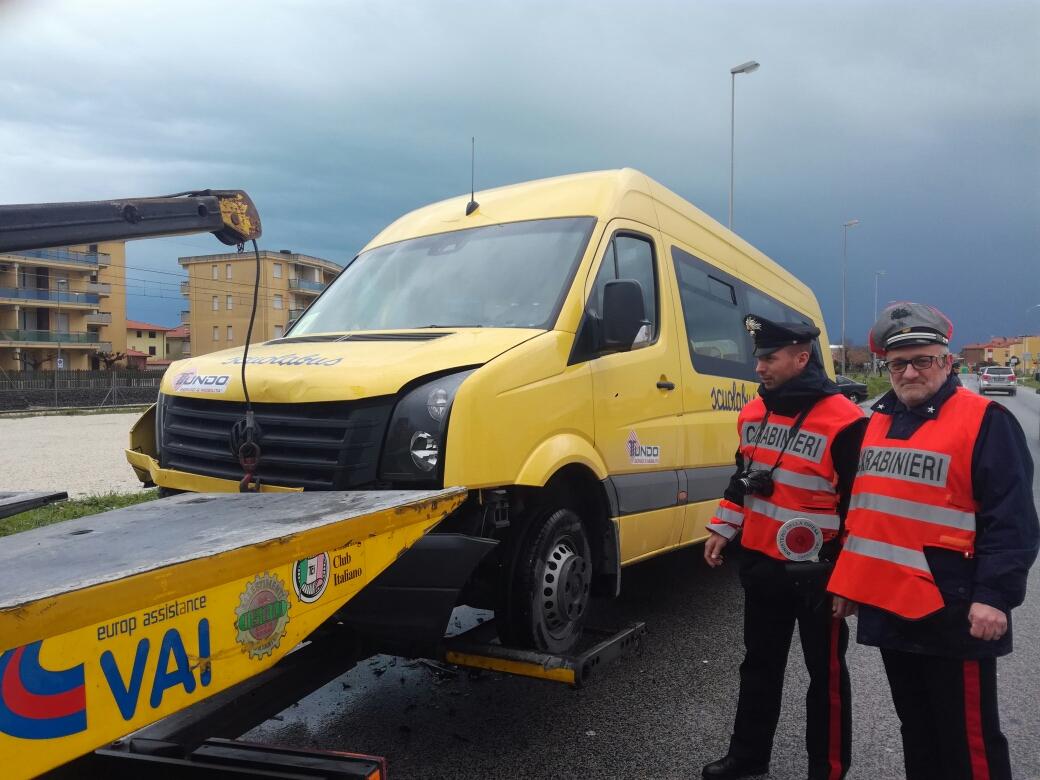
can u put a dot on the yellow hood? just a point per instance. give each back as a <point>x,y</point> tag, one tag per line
<point>319,368</point>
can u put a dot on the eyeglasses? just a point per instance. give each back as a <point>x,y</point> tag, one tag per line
<point>920,363</point>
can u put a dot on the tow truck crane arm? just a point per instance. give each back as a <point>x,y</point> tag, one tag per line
<point>228,214</point>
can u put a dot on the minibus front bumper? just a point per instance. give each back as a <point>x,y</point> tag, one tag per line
<point>407,607</point>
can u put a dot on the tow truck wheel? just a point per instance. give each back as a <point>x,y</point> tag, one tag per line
<point>548,597</point>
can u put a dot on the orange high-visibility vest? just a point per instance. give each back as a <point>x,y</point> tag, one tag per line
<point>805,483</point>
<point>910,494</point>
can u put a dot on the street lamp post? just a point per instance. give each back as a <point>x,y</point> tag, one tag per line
<point>747,67</point>
<point>844,282</point>
<point>877,275</point>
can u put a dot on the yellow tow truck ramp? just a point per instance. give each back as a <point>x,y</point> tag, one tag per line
<point>112,622</point>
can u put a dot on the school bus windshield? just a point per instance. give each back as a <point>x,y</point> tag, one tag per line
<point>513,275</point>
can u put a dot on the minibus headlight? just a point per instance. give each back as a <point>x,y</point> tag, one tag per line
<point>414,450</point>
<point>424,449</point>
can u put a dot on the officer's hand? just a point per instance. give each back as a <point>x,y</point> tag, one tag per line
<point>713,549</point>
<point>842,607</point>
<point>987,623</point>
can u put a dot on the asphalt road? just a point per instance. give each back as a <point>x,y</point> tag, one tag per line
<point>662,713</point>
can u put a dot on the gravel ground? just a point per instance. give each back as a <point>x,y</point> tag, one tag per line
<point>80,454</point>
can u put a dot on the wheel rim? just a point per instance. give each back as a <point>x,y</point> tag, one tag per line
<point>566,579</point>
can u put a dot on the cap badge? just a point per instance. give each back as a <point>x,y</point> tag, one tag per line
<point>900,313</point>
<point>752,325</point>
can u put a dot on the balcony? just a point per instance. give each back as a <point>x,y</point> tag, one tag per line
<point>306,285</point>
<point>186,317</point>
<point>49,337</point>
<point>50,296</point>
<point>294,314</point>
<point>99,318</point>
<point>185,288</point>
<point>66,256</point>
<point>98,288</point>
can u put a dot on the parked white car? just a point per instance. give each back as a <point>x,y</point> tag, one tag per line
<point>999,378</point>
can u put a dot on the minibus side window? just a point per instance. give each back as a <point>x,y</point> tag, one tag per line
<point>635,260</point>
<point>718,342</point>
<point>628,257</point>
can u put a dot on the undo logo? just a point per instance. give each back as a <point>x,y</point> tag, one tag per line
<point>200,383</point>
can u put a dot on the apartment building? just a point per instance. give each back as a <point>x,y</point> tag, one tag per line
<point>1000,351</point>
<point>149,339</point>
<point>178,343</point>
<point>219,290</point>
<point>60,307</point>
<point>1027,350</point>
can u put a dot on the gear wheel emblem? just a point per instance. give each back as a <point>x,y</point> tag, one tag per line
<point>262,615</point>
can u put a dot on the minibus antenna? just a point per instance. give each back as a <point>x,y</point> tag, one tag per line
<point>472,205</point>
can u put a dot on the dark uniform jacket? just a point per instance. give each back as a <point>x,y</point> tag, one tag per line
<point>1006,539</point>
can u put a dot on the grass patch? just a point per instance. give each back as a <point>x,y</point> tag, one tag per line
<point>71,509</point>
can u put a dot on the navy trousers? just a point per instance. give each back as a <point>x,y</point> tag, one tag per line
<point>774,602</point>
<point>948,711</point>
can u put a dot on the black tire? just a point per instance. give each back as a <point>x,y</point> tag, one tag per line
<point>545,600</point>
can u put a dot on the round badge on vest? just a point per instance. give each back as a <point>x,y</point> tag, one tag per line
<point>799,539</point>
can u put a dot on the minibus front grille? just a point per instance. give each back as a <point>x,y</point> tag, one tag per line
<point>315,446</point>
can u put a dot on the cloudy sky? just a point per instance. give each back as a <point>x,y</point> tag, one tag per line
<point>922,120</point>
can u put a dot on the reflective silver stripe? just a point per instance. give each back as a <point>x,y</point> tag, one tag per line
<point>883,551</point>
<point>913,510</point>
<point>722,529</point>
<point>782,515</point>
<point>794,479</point>
<point>729,515</point>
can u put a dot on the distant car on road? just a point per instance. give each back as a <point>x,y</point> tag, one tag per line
<point>998,378</point>
<point>851,389</point>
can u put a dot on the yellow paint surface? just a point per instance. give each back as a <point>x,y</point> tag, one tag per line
<point>151,644</point>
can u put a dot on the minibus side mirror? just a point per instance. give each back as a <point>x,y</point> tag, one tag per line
<point>624,315</point>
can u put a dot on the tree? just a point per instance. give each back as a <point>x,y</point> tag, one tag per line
<point>110,359</point>
<point>32,362</point>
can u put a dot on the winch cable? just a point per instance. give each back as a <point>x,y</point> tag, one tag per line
<point>245,435</point>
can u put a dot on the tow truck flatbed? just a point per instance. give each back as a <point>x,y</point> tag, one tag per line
<point>13,503</point>
<point>112,622</point>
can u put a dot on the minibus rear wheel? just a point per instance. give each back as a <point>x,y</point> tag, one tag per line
<point>548,598</point>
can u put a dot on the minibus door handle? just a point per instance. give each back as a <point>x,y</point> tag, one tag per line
<point>665,385</point>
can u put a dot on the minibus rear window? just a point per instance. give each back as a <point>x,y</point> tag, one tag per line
<point>513,275</point>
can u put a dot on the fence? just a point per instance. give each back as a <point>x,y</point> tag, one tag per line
<point>42,389</point>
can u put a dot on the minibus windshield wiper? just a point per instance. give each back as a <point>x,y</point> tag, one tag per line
<point>424,327</point>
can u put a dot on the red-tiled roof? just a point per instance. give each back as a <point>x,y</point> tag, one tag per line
<point>135,325</point>
<point>180,332</point>
<point>135,353</point>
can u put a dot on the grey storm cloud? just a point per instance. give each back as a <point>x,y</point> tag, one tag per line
<point>921,120</point>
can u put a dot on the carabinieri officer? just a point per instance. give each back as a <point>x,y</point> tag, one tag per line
<point>799,443</point>
<point>942,530</point>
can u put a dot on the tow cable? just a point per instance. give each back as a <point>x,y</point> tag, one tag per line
<point>246,434</point>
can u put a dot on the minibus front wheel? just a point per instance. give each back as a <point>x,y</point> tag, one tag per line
<point>548,596</point>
